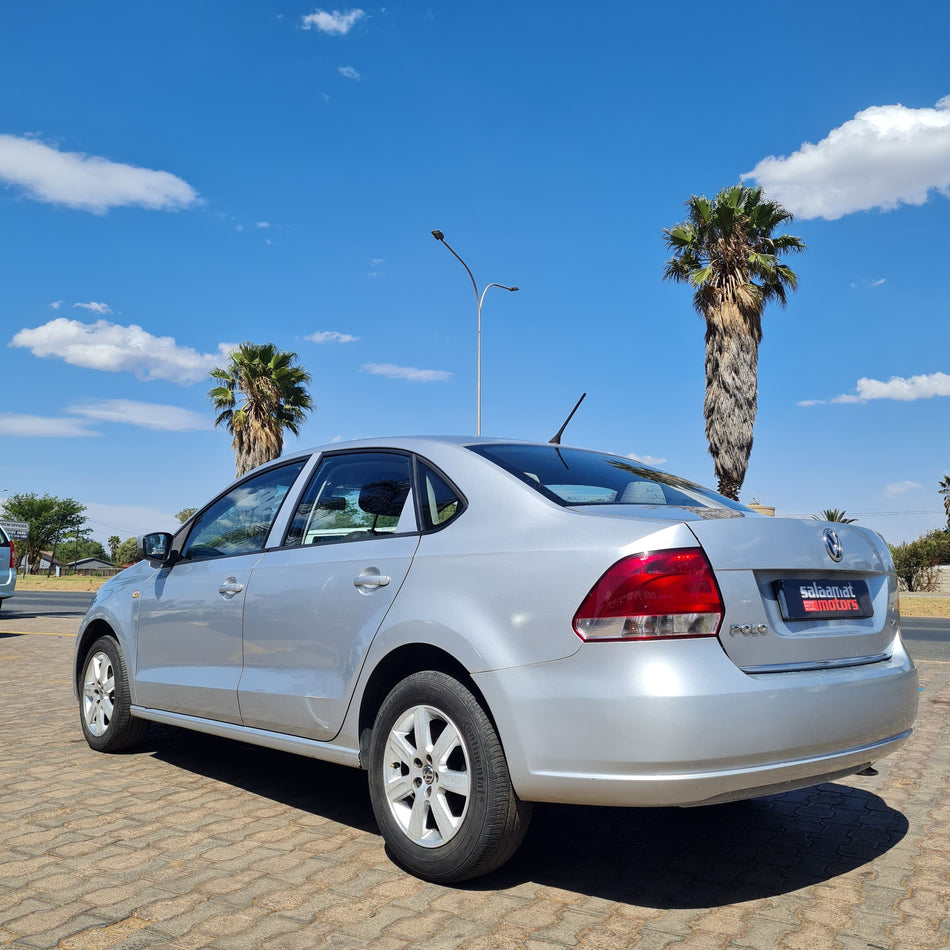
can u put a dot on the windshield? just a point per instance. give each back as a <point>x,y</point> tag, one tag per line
<point>579,477</point>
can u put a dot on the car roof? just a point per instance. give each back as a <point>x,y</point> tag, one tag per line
<point>419,443</point>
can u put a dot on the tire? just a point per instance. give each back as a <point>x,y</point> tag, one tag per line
<point>104,705</point>
<point>439,782</point>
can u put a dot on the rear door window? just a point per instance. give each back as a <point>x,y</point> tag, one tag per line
<point>354,496</point>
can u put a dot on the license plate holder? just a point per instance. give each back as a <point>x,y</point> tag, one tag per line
<point>822,598</point>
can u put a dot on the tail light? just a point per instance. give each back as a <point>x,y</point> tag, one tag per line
<point>658,595</point>
<point>12,555</point>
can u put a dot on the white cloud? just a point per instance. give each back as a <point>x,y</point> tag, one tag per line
<point>42,427</point>
<point>100,308</point>
<point>884,157</point>
<point>900,388</point>
<point>114,348</point>
<point>335,22</point>
<point>87,182</point>
<point>861,284</point>
<point>263,224</point>
<point>331,336</point>
<point>901,488</point>
<point>811,402</point>
<point>392,371</point>
<point>146,415</point>
<point>348,72</point>
<point>646,459</point>
<point>55,305</point>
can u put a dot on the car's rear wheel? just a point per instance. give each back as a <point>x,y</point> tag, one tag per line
<point>439,782</point>
<point>104,703</point>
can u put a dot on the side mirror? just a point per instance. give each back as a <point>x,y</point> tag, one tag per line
<point>156,547</point>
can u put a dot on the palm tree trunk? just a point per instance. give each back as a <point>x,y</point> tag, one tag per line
<point>732,357</point>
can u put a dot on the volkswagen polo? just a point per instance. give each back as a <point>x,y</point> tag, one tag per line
<point>483,624</point>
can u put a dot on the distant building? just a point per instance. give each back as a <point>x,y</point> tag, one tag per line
<point>93,566</point>
<point>46,559</point>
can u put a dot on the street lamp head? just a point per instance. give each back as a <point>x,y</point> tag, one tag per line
<point>512,288</point>
<point>438,235</point>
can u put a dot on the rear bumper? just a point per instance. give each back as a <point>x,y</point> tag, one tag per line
<point>677,723</point>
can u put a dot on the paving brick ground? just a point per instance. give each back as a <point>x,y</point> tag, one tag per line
<point>198,842</point>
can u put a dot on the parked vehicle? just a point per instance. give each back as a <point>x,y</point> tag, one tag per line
<point>484,624</point>
<point>8,560</point>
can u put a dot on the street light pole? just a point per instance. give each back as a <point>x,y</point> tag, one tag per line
<point>479,300</point>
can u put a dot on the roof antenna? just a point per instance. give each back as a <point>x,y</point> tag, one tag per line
<point>556,440</point>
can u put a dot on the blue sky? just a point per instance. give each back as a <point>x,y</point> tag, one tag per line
<point>181,177</point>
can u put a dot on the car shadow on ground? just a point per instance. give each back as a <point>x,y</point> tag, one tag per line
<point>706,857</point>
<point>656,857</point>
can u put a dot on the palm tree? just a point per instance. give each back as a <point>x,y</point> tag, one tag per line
<point>114,543</point>
<point>944,487</point>
<point>833,514</point>
<point>273,397</point>
<point>727,251</point>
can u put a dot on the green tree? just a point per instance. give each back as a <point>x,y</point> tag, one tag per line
<point>126,553</point>
<point>50,519</point>
<point>833,514</point>
<point>185,514</point>
<point>944,488</point>
<point>73,548</point>
<point>262,392</point>
<point>939,541</point>
<point>916,561</point>
<point>728,252</point>
<point>114,542</point>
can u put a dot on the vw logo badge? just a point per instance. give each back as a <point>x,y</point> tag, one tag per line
<point>833,544</point>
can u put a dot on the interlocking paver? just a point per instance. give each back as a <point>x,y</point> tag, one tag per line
<point>198,842</point>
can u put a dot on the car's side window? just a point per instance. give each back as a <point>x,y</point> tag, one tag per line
<point>239,521</point>
<point>439,501</point>
<point>353,496</point>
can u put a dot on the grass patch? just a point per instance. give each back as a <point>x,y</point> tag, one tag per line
<point>924,606</point>
<point>74,582</point>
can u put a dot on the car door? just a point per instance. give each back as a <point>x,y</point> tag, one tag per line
<point>314,605</point>
<point>190,651</point>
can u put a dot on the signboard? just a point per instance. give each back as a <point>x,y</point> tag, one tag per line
<point>823,599</point>
<point>18,530</point>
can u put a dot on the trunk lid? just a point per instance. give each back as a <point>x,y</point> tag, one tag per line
<point>789,603</point>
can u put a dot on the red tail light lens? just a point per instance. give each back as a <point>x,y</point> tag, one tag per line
<point>659,595</point>
<point>12,555</point>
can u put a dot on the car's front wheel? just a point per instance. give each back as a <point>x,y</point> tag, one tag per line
<point>104,701</point>
<point>439,782</point>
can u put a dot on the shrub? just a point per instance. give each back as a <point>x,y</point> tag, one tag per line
<point>916,561</point>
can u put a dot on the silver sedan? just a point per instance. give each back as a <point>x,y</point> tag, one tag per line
<point>483,624</point>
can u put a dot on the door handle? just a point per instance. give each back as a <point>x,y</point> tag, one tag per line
<point>370,577</point>
<point>230,587</point>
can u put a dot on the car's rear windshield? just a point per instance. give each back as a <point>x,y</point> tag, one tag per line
<point>574,477</point>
